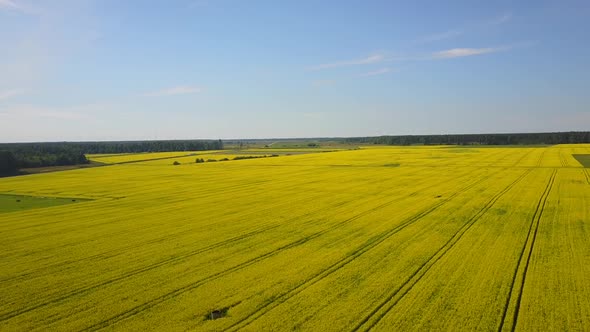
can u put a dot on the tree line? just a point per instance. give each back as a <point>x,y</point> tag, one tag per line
<point>14,156</point>
<point>147,146</point>
<point>477,139</point>
<point>11,160</point>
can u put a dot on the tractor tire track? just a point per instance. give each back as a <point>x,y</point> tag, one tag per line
<point>73,244</point>
<point>104,255</point>
<point>498,161</point>
<point>523,157</point>
<point>527,250</point>
<point>541,157</point>
<point>386,305</point>
<point>240,187</point>
<point>214,276</point>
<point>189,287</point>
<point>202,250</point>
<point>146,269</point>
<point>494,160</point>
<point>121,250</point>
<point>562,159</point>
<point>252,213</point>
<point>126,275</point>
<point>367,246</point>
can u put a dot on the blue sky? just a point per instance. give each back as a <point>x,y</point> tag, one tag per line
<point>119,70</point>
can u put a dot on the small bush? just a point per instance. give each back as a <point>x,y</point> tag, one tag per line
<point>247,157</point>
<point>200,160</point>
<point>252,157</point>
<point>211,160</point>
<point>216,314</point>
<point>224,159</point>
<point>175,163</point>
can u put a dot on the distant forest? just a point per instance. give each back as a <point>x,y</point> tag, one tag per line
<point>14,156</point>
<point>477,139</point>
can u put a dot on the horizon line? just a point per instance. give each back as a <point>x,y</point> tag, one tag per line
<point>295,138</point>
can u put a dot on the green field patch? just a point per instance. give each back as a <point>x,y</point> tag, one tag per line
<point>583,159</point>
<point>11,203</point>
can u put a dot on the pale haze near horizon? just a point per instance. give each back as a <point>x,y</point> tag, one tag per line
<point>133,70</point>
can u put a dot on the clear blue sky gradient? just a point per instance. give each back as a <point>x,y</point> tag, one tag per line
<point>119,70</point>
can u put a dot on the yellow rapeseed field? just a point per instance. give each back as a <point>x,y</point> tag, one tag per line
<point>136,157</point>
<point>380,238</point>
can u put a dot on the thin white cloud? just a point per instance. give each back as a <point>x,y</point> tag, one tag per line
<point>498,20</point>
<point>177,90</point>
<point>372,59</point>
<point>464,52</point>
<point>9,93</point>
<point>8,4</point>
<point>380,71</point>
<point>17,6</point>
